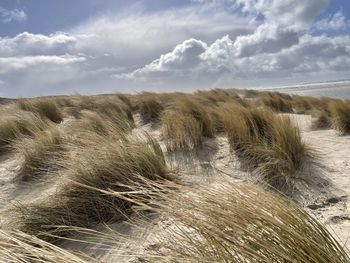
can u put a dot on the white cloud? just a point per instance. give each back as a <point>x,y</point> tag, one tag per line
<point>26,44</point>
<point>337,21</point>
<point>280,47</point>
<point>207,43</point>
<point>10,64</point>
<point>184,57</point>
<point>111,45</point>
<point>7,16</point>
<point>311,54</point>
<point>295,14</point>
<point>136,38</point>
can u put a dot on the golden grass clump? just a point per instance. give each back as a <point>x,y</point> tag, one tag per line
<point>91,122</point>
<point>340,112</point>
<point>302,104</point>
<point>268,143</point>
<point>249,93</point>
<point>185,124</point>
<point>113,110</point>
<point>321,119</point>
<point>149,107</point>
<point>191,107</point>
<point>217,97</point>
<point>230,222</point>
<point>45,107</point>
<point>109,107</point>
<point>41,153</point>
<point>95,162</point>
<point>17,124</point>
<point>276,101</point>
<point>126,100</point>
<point>16,246</point>
<point>181,130</point>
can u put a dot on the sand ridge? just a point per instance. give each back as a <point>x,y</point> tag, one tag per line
<point>324,193</point>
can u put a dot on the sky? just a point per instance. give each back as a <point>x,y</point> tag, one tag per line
<point>51,47</point>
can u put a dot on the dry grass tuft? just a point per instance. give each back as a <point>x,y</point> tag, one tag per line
<point>191,107</point>
<point>41,153</point>
<point>217,97</point>
<point>340,112</point>
<point>249,93</point>
<point>45,107</point>
<point>96,162</point>
<point>268,143</point>
<point>126,100</point>
<point>107,107</point>
<point>322,119</point>
<point>16,246</point>
<point>181,130</point>
<point>92,123</point>
<point>17,124</point>
<point>149,107</point>
<point>231,222</point>
<point>302,104</point>
<point>185,124</point>
<point>276,101</point>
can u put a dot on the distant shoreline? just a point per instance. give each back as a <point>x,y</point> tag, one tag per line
<point>336,89</point>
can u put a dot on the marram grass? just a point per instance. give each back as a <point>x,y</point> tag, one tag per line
<point>232,222</point>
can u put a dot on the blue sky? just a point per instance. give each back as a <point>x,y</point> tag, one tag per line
<point>48,16</point>
<point>92,46</point>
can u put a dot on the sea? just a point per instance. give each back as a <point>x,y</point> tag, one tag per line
<point>336,89</point>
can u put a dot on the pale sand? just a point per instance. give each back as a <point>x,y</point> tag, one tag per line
<point>324,192</point>
<point>332,205</point>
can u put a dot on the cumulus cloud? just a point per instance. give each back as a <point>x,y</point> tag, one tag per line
<point>26,44</point>
<point>110,45</point>
<point>184,58</point>
<point>280,47</point>
<point>337,21</point>
<point>207,43</point>
<point>135,37</point>
<point>7,16</point>
<point>310,55</point>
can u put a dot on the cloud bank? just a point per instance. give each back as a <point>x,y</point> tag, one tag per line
<point>211,43</point>
<point>280,47</point>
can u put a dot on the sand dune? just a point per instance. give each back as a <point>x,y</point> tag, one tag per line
<point>322,188</point>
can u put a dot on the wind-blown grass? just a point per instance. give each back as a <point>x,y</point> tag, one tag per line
<point>231,222</point>
<point>181,130</point>
<point>107,107</point>
<point>276,101</point>
<point>340,112</point>
<point>90,121</point>
<point>95,162</point>
<point>268,143</point>
<point>126,100</point>
<point>17,124</point>
<point>321,119</point>
<point>185,124</point>
<point>191,107</point>
<point>217,97</point>
<point>45,107</point>
<point>16,246</point>
<point>41,153</point>
<point>149,107</point>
